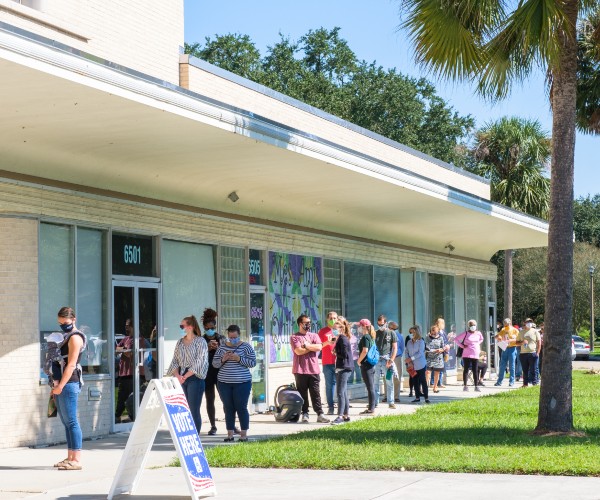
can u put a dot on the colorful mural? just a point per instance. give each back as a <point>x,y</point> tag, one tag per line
<point>295,288</point>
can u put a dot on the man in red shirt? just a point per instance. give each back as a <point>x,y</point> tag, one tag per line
<point>328,336</point>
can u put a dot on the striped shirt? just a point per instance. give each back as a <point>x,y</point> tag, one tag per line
<point>235,372</point>
<point>192,357</point>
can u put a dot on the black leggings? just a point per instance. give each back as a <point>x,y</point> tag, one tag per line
<point>209,395</point>
<point>420,382</point>
<point>470,364</point>
<point>367,371</point>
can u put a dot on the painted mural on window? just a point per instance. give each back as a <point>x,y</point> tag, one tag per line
<point>295,287</point>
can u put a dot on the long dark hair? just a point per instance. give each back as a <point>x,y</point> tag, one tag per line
<point>193,322</point>
<point>209,316</point>
<point>66,312</point>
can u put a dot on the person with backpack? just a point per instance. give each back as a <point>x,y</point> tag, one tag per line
<point>416,364</point>
<point>367,360</point>
<point>66,390</point>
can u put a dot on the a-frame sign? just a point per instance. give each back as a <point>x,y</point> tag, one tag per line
<point>164,397</point>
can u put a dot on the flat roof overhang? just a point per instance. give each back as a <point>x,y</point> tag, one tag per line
<point>69,119</point>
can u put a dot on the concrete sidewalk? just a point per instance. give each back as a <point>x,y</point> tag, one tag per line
<point>28,473</point>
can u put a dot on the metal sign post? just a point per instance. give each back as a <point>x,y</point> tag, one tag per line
<point>164,397</point>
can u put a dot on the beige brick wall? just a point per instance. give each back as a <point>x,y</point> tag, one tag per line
<point>216,87</point>
<point>144,35</point>
<point>23,419</point>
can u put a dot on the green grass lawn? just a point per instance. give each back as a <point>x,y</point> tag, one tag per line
<point>487,434</point>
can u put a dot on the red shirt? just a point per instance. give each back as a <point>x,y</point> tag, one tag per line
<point>327,356</point>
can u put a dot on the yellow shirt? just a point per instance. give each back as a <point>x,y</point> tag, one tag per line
<point>532,337</point>
<point>509,334</point>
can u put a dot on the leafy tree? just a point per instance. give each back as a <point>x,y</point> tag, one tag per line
<point>513,153</point>
<point>496,44</point>
<point>233,52</point>
<point>586,218</point>
<point>321,69</point>
<point>588,74</point>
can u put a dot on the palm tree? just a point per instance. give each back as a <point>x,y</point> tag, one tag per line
<point>496,44</point>
<point>513,153</point>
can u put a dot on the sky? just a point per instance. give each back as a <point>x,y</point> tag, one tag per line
<point>372,31</point>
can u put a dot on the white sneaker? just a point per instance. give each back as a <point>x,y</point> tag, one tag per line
<point>305,418</point>
<point>322,419</point>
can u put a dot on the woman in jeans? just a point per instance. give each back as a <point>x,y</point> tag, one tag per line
<point>66,390</point>
<point>344,364</point>
<point>367,370</point>
<point>470,340</point>
<point>213,341</point>
<point>415,356</point>
<point>190,364</point>
<point>234,360</point>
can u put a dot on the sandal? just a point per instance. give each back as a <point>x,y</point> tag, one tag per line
<point>61,463</point>
<point>68,465</point>
<point>243,440</point>
<point>367,412</point>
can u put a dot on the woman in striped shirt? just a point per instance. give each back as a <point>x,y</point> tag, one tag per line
<point>234,360</point>
<point>190,364</point>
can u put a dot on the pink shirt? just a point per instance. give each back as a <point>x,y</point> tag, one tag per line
<point>471,343</point>
<point>305,364</point>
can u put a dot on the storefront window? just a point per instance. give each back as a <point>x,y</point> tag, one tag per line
<point>233,288</point>
<point>421,315</point>
<point>188,286</point>
<point>332,286</point>
<point>295,287</point>
<point>386,291</point>
<point>358,291</point>
<point>407,300</point>
<point>81,286</point>
<point>442,305</point>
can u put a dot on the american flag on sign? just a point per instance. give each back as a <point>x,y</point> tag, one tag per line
<point>202,483</point>
<point>177,399</point>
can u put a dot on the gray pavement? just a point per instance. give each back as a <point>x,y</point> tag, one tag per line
<point>28,473</point>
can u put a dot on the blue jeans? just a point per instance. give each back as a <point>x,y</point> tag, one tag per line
<point>509,357</point>
<point>381,369</point>
<point>66,405</point>
<point>342,392</point>
<point>329,374</point>
<point>235,400</point>
<point>193,388</point>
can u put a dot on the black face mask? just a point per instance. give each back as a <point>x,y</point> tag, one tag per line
<point>66,327</point>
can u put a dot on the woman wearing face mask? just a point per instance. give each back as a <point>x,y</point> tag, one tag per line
<point>66,390</point>
<point>190,364</point>
<point>344,364</point>
<point>415,359</point>
<point>531,343</point>
<point>234,360</point>
<point>470,340</point>
<point>213,340</point>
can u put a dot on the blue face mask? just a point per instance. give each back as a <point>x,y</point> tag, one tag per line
<point>66,327</point>
<point>234,341</point>
<point>183,332</point>
<point>335,333</point>
<point>210,332</point>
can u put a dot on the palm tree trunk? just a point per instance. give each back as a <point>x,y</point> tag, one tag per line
<point>508,284</point>
<point>556,404</point>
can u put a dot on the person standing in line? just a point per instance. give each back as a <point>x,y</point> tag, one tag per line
<point>328,360</point>
<point>213,341</point>
<point>66,390</point>
<point>355,377</point>
<point>435,348</point>
<point>470,340</point>
<point>305,366</point>
<point>367,370</point>
<point>234,359</point>
<point>344,364</point>
<point>190,365</point>
<point>398,381</point>
<point>385,339</point>
<point>530,341</point>
<point>415,361</point>
<point>508,357</point>
<point>411,380</point>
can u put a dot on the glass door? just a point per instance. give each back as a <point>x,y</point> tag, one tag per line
<point>257,339</point>
<point>135,334</point>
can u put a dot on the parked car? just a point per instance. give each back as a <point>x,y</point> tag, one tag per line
<point>582,348</point>
<point>573,351</point>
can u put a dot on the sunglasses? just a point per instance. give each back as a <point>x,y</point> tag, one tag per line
<point>182,326</point>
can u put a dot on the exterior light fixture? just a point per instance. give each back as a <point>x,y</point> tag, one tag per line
<point>233,196</point>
